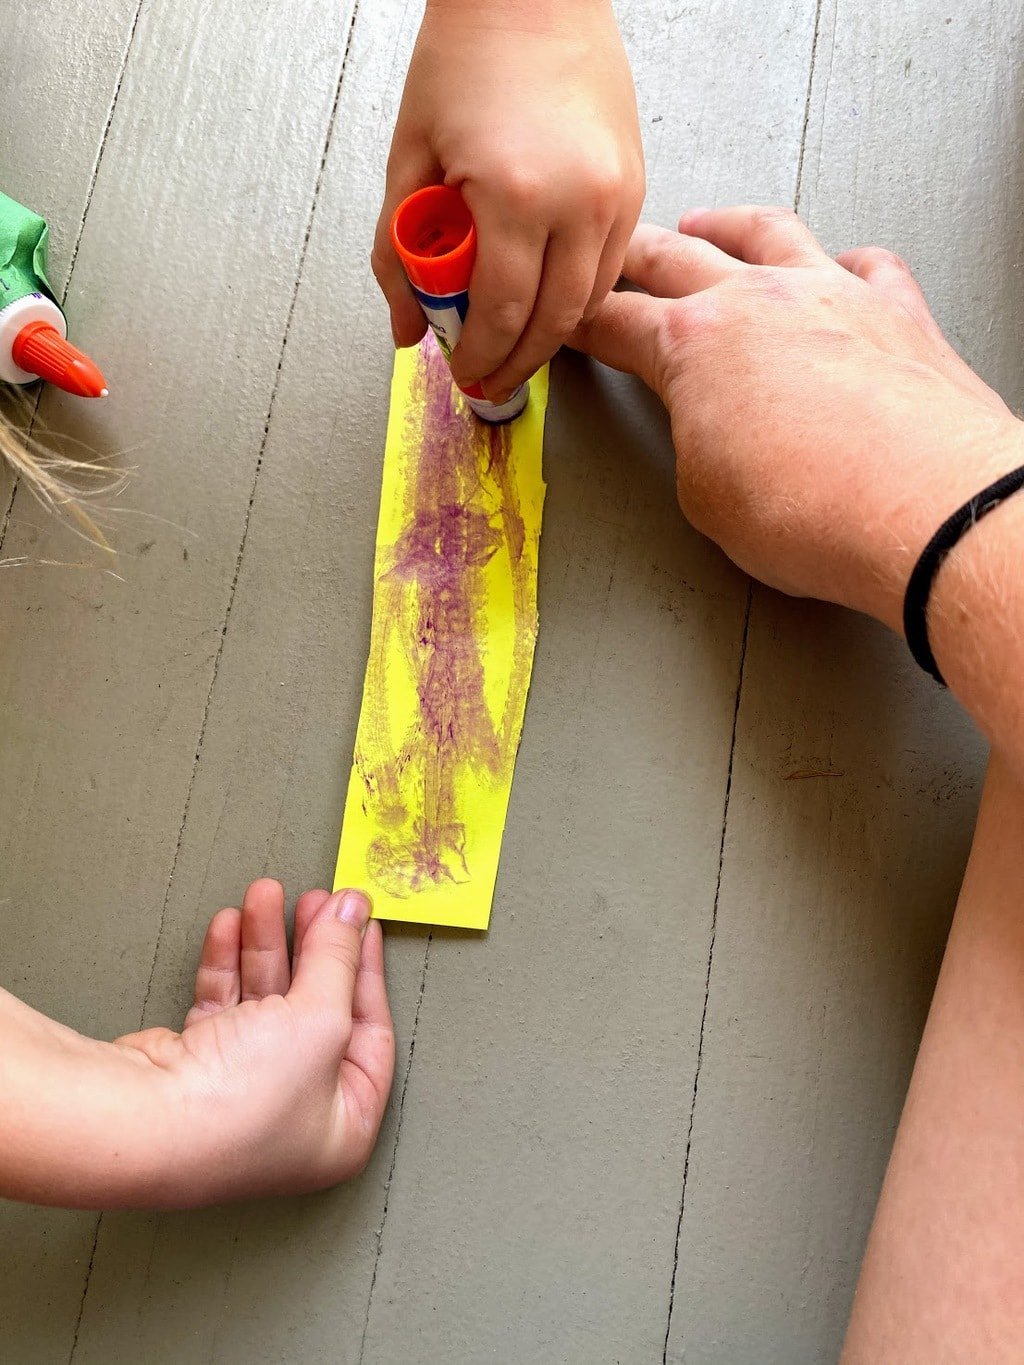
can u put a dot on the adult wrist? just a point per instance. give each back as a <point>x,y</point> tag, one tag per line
<point>975,620</point>
<point>899,522</point>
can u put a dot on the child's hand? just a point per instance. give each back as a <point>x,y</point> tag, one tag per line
<point>278,1081</point>
<point>276,1084</point>
<point>528,109</point>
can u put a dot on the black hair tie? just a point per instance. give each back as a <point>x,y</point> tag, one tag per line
<point>919,587</point>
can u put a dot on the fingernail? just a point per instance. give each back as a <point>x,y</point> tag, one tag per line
<point>352,907</point>
<point>501,395</point>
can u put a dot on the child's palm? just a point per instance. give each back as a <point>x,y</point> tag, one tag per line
<point>287,1061</point>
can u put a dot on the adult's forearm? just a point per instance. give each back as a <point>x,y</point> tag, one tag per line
<point>943,1276</point>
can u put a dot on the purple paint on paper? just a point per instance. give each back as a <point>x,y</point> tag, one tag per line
<point>462,510</point>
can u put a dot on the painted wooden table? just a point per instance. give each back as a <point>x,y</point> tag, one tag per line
<point>646,1118</point>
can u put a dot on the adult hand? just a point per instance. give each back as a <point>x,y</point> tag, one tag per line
<point>529,111</point>
<point>823,425</point>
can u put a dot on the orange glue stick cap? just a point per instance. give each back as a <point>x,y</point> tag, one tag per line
<point>433,233</point>
<point>40,349</point>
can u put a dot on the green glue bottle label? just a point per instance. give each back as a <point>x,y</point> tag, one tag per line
<point>26,295</point>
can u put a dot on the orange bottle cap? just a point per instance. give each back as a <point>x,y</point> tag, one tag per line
<point>433,233</point>
<point>40,349</point>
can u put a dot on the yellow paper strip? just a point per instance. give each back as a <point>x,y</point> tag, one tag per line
<point>451,650</point>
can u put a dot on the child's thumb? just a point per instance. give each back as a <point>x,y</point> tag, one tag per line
<point>327,967</point>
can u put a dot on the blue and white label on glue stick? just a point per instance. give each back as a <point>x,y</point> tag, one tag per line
<point>446,313</point>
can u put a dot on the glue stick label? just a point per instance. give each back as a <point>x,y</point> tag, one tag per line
<point>446,313</point>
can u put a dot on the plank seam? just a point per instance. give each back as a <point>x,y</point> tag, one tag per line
<point>238,558</point>
<point>798,191</point>
<point>85,1289</point>
<point>707,979</point>
<point>394,1149</point>
<point>6,521</point>
<point>102,148</point>
<point>332,118</point>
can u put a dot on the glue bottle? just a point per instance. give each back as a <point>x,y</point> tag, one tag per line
<point>433,233</point>
<point>33,329</point>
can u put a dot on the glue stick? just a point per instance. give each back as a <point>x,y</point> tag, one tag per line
<point>33,330</point>
<point>433,233</point>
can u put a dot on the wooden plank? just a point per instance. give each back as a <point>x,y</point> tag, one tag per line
<point>855,781</point>
<point>534,1204</point>
<point>63,64</point>
<point>285,1279</point>
<point>47,159</point>
<point>638,659</point>
<point>183,285</point>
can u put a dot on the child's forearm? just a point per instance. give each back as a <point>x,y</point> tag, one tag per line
<point>83,1124</point>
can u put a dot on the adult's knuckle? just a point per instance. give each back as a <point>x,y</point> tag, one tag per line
<point>885,257</point>
<point>682,326</point>
<point>765,217</point>
<point>674,328</point>
<point>678,326</point>
<point>679,251</point>
<point>758,279</point>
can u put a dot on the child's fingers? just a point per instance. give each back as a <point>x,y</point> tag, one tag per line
<point>408,324</point>
<point>325,974</point>
<point>407,171</point>
<point>218,977</point>
<point>570,267</point>
<point>503,287</point>
<point>613,255</point>
<point>305,908</point>
<point>372,1047</point>
<point>370,1000</point>
<point>265,969</point>
<point>609,267</point>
